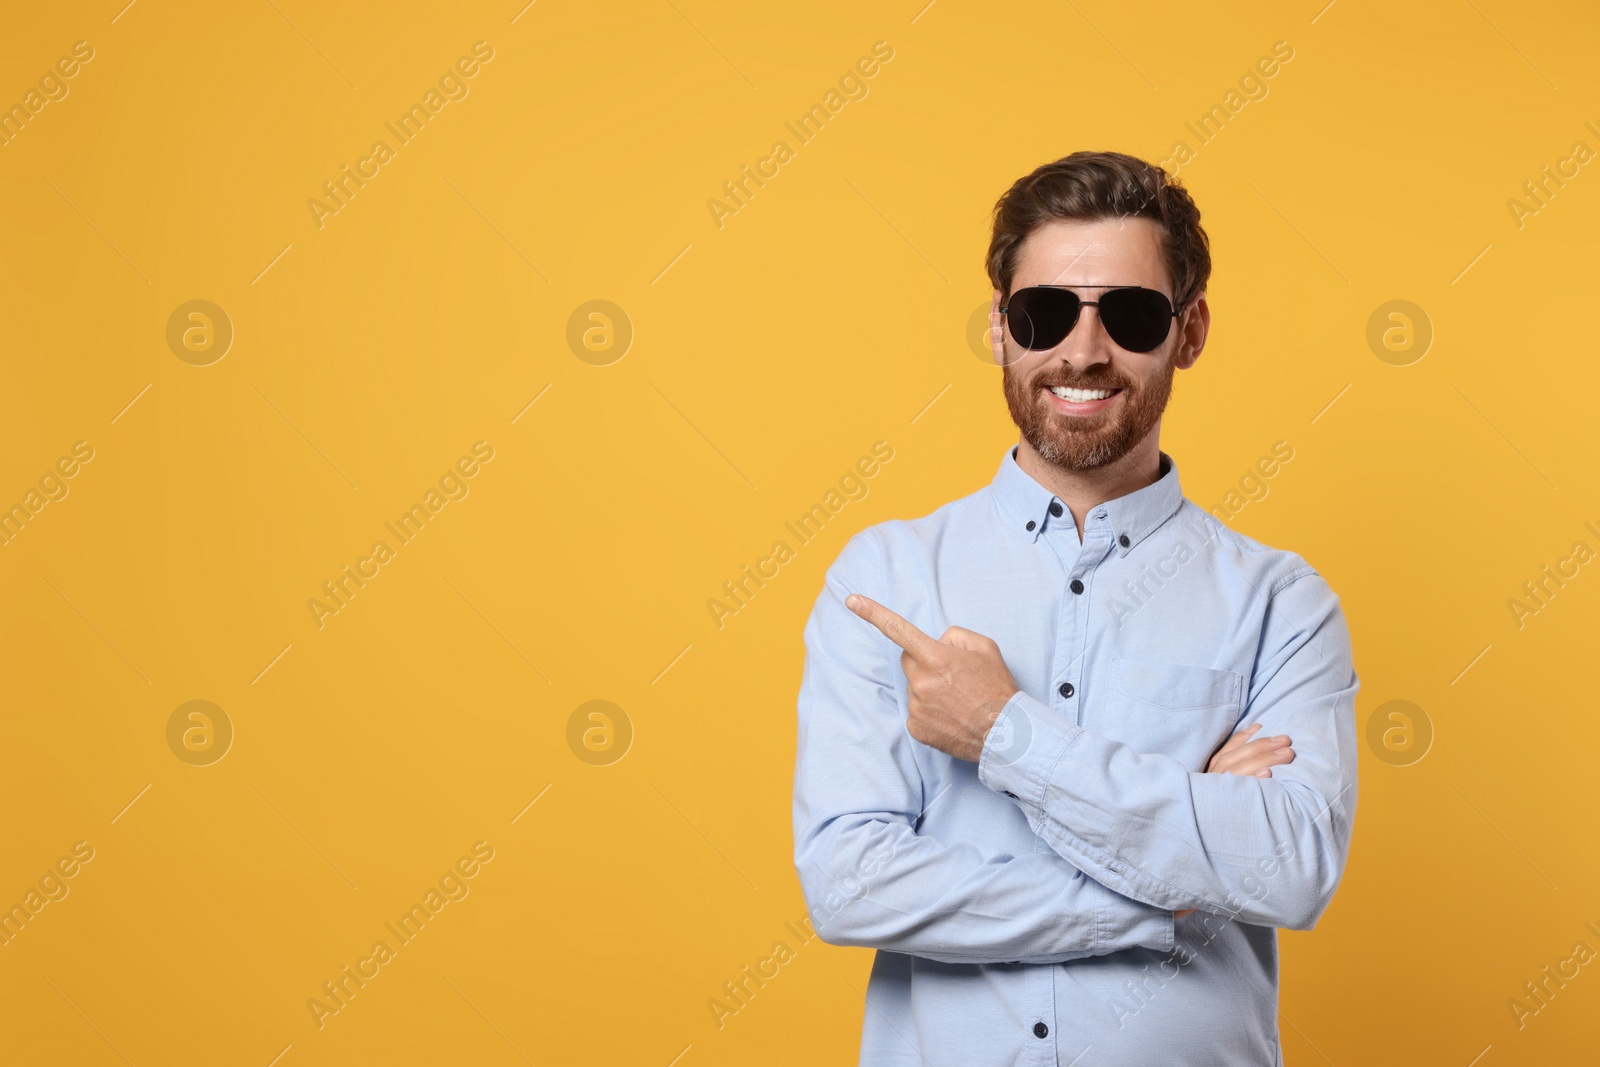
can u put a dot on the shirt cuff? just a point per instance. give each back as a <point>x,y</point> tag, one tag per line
<point>1135,925</point>
<point>1022,748</point>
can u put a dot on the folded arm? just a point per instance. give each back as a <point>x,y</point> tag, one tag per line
<point>868,876</point>
<point>1266,851</point>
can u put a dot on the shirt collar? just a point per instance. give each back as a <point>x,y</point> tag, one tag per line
<point>1028,506</point>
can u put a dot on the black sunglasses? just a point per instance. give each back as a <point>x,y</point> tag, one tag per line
<point>1041,316</point>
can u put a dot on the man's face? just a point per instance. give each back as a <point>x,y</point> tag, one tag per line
<point>1089,434</point>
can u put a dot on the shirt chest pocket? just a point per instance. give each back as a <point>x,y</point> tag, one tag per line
<point>1171,709</point>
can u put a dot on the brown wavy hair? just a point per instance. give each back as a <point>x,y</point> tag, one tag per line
<point>1102,185</point>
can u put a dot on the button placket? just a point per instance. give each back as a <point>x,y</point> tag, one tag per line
<point>1072,630</point>
<point>1078,559</point>
<point>1042,999</point>
<point>1073,621</point>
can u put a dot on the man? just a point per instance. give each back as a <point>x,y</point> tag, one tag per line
<point>1072,823</point>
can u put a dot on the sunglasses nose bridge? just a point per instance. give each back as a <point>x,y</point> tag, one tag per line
<point>1087,343</point>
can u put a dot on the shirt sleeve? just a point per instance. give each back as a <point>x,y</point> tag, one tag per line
<point>1265,851</point>
<point>869,877</point>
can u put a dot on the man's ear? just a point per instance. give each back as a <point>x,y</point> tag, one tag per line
<point>1193,326</point>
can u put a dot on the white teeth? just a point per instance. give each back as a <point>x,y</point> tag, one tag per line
<point>1079,396</point>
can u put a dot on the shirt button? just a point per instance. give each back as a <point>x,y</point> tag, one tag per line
<point>1066,689</point>
<point>1040,1030</point>
<point>1123,540</point>
<point>1076,586</point>
<point>1031,524</point>
<point>1010,794</point>
<point>1055,508</point>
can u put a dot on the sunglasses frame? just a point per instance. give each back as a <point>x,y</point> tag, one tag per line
<point>1082,303</point>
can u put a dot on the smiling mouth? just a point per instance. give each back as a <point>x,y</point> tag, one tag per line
<point>1081,396</point>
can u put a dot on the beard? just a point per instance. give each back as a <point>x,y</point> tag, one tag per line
<point>1086,442</point>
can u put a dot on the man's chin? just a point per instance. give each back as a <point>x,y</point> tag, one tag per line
<point>1090,448</point>
<point>1075,460</point>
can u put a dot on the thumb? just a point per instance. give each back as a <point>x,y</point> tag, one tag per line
<point>961,637</point>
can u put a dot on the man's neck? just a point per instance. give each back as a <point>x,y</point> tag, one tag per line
<point>1081,491</point>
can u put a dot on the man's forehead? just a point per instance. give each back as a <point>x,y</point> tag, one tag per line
<point>1072,252</point>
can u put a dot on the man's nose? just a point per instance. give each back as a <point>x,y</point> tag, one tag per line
<point>1088,343</point>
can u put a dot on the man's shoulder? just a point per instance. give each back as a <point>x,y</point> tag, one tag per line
<point>900,539</point>
<point>1262,563</point>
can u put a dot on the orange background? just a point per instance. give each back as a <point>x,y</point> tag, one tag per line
<point>434,310</point>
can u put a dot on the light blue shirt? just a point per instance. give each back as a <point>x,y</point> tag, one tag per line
<point>1022,907</point>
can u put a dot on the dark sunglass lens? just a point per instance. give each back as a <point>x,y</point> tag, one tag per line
<point>1040,318</point>
<point>1137,319</point>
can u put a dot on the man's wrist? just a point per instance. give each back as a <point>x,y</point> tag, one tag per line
<point>1023,746</point>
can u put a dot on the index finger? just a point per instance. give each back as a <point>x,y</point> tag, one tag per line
<point>1238,738</point>
<point>895,628</point>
